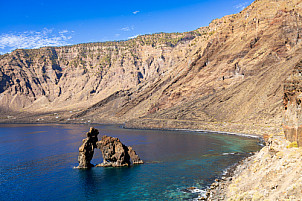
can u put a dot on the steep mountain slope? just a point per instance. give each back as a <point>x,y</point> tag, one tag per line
<point>231,71</point>
<point>240,73</point>
<point>75,77</point>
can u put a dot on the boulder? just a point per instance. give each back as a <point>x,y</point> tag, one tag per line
<point>86,150</point>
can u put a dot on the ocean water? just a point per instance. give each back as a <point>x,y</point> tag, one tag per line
<point>37,163</point>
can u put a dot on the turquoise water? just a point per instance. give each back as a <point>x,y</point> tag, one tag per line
<point>36,163</point>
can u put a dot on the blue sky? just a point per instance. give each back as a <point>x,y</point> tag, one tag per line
<point>33,24</point>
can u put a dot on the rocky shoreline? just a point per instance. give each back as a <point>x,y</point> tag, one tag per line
<point>273,173</point>
<point>218,189</point>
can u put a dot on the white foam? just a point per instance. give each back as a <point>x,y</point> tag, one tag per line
<point>195,190</point>
<point>202,194</point>
<point>228,154</point>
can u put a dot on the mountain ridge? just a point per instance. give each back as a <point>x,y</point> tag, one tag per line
<point>231,71</point>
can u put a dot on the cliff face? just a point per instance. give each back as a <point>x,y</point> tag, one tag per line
<point>76,73</point>
<point>292,118</point>
<point>75,77</point>
<point>248,58</point>
<point>230,71</point>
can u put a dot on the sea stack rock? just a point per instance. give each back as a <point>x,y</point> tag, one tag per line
<point>86,150</point>
<point>134,157</point>
<point>116,154</point>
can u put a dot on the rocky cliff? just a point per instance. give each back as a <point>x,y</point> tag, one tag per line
<point>292,106</point>
<point>229,72</point>
<point>50,81</point>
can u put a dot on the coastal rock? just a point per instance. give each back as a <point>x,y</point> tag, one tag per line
<point>115,154</point>
<point>86,150</point>
<point>134,157</point>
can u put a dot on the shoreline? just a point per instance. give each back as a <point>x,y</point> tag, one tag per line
<point>139,128</point>
<point>273,173</point>
<point>200,130</point>
<point>225,127</point>
<point>260,137</point>
<point>217,190</point>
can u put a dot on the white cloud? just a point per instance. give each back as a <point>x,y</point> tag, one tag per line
<point>64,31</point>
<point>34,39</point>
<point>127,28</point>
<point>135,12</point>
<point>134,36</point>
<point>242,6</point>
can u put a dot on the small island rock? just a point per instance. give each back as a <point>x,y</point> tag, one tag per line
<point>115,154</point>
<point>86,150</point>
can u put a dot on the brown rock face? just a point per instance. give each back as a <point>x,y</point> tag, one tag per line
<point>77,77</point>
<point>292,118</point>
<point>86,150</point>
<point>115,154</point>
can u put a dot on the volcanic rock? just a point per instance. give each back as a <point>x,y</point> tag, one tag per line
<point>86,150</point>
<point>116,154</point>
<point>134,157</point>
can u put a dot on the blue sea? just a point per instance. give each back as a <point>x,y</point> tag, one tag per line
<point>37,163</point>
